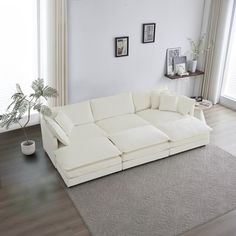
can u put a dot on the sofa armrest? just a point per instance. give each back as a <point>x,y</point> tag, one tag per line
<point>50,142</point>
<point>198,113</point>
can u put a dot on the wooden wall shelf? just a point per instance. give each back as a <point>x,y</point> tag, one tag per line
<point>197,73</point>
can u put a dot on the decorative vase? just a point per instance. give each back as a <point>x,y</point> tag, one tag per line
<point>193,66</point>
<point>28,148</point>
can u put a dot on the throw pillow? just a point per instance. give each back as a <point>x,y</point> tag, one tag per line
<point>186,105</point>
<point>142,100</point>
<point>155,97</point>
<point>57,131</point>
<point>65,122</point>
<point>168,102</point>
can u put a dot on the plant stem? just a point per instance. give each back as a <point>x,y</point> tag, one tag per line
<point>24,131</point>
<point>28,116</point>
<point>26,136</point>
<point>28,119</point>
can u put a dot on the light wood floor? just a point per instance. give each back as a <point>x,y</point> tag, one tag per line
<point>223,122</point>
<point>33,200</point>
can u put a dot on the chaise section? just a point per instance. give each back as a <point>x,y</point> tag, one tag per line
<point>186,133</point>
<point>136,142</point>
<point>87,159</point>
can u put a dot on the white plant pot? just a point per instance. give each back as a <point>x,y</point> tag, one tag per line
<point>28,148</point>
<point>193,66</point>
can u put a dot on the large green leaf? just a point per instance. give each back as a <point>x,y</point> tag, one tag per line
<point>37,86</point>
<point>49,92</point>
<point>45,110</point>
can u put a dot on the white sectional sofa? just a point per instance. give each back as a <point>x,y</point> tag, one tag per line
<point>95,138</point>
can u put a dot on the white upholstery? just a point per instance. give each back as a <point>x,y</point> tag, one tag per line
<point>112,106</point>
<point>50,142</point>
<point>104,135</point>
<point>85,153</point>
<point>83,170</point>
<point>89,176</point>
<point>120,123</point>
<point>189,146</point>
<point>65,122</point>
<point>145,159</point>
<point>57,131</point>
<point>155,97</point>
<point>184,128</point>
<point>142,100</point>
<point>198,113</point>
<point>146,151</point>
<point>84,132</point>
<point>156,117</point>
<point>79,113</point>
<point>193,139</point>
<point>138,138</point>
<point>186,105</point>
<point>168,102</point>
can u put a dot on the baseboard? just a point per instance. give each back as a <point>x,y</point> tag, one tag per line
<point>227,102</point>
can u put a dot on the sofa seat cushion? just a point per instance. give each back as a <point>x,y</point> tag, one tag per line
<point>91,169</point>
<point>157,117</point>
<point>138,138</point>
<point>86,153</point>
<point>120,123</point>
<point>184,128</point>
<point>140,153</point>
<point>194,139</point>
<point>84,132</point>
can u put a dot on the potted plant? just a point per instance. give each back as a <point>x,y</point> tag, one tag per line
<point>23,105</point>
<point>196,47</point>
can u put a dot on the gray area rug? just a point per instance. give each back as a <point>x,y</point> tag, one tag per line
<point>165,197</point>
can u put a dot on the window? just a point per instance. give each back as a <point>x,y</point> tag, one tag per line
<point>229,83</point>
<point>18,47</point>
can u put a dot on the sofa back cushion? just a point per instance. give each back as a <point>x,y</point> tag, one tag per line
<point>112,106</point>
<point>168,102</point>
<point>142,100</point>
<point>79,113</point>
<point>155,97</point>
<point>65,122</point>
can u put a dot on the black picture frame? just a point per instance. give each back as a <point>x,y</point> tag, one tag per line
<point>149,33</point>
<point>122,46</point>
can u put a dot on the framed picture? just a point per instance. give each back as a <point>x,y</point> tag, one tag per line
<point>180,62</point>
<point>170,54</point>
<point>121,46</point>
<point>149,32</point>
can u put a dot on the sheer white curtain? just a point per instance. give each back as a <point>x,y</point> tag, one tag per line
<point>218,28</point>
<point>228,92</point>
<point>54,62</point>
<point>18,47</point>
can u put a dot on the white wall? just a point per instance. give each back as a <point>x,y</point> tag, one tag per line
<point>93,25</point>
